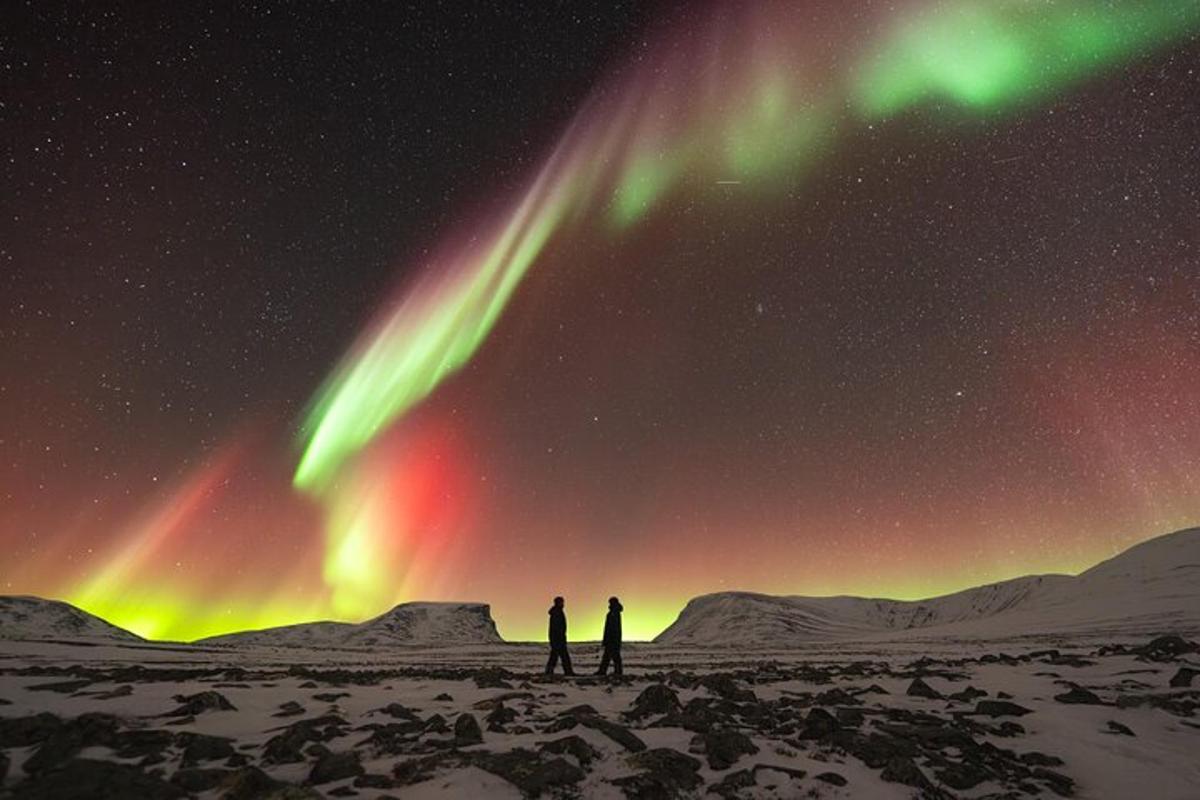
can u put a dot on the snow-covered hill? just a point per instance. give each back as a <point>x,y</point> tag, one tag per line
<point>409,624</point>
<point>35,618</point>
<point>1153,586</point>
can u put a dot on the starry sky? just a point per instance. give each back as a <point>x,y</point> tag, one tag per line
<point>309,310</point>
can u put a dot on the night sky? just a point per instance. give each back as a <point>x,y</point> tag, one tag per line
<point>309,310</point>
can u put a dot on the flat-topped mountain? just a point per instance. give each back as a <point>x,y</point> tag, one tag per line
<point>1152,586</point>
<point>408,624</point>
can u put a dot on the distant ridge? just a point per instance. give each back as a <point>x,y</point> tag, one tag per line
<point>26,617</point>
<point>1152,586</point>
<point>408,624</point>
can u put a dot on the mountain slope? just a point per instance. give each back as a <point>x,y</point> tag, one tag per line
<point>408,624</point>
<point>1152,586</point>
<point>23,617</point>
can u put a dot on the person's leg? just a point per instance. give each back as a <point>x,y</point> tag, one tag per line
<point>553,660</point>
<point>603,663</point>
<point>566,659</point>
<point>616,659</point>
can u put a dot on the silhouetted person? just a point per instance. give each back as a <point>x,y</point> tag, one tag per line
<point>612,638</point>
<point>558,639</point>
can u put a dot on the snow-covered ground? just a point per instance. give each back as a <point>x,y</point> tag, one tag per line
<point>825,720</point>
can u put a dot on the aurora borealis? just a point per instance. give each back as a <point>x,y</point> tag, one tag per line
<point>798,298</point>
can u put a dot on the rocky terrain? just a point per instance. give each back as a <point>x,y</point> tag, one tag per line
<point>932,720</point>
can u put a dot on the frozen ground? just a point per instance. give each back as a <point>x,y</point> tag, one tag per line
<point>1090,717</point>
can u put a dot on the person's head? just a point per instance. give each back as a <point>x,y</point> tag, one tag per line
<point>558,602</point>
<point>614,602</point>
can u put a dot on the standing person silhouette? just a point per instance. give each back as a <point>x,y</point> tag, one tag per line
<point>612,638</point>
<point>558,639</point>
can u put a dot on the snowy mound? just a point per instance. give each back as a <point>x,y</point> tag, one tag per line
<point>409,624</point>
<point>1153,586</point>
<point>35,618</point>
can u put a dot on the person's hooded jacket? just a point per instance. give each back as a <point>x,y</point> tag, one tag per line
<point>612,625</point>
<point>558,625</point>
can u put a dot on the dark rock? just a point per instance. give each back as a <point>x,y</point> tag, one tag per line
<point>1035,759</point>
<point>444,698</point>
<point>199,747</point>
<point>342,791</point>
<point>195,780</point>
<point>1079,696</point>
<point>287,747</point>
<point>1058,783</point>
<point>836,697</point>
<point>251,783</point>
<point>86,779</point>
<point>819,724</point>
<point>919,688</point>
<point>723,685</point>
<point>1116,727</point>
<point>619,734</point>
<point>193,704</point>
<point>575,746</point>
<point>831,778</point>
<point>902,770</point>
<point>289,709</point>
<point>1166,648</point>
<point>500,716</point>
<point>731,786</point>
<point>654,699</point>
<point>527,771</point>
<point>1183,678</point>
<point>372,781</point>
<point>1000,708</point>
<point>3,766</point>
<point>493,678</point>
<point>663,773</point>
<point>124,690</point>
<point>467,731</point>
<point>317,750</point>
<point>968,695</point>
<point>335,767</point>
<point>436,724</point>
<point>330,697</point>
<point>27,731</point>
<point>723,747</point>
<point>65,742</point>
<point>59,687</point>
<point>397,711</point>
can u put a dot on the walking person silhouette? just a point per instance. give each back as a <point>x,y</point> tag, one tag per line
<point>612,638</point>
<point>558,639</point>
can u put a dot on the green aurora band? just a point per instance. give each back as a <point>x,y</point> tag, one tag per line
<point>753,99</point>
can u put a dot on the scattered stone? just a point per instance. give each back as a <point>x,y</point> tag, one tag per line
<point>87,779</point>
<point>467,731</point>
<point>723,685</point>
<point>832,778</point>
<point>900,769</point>
<point>1116,727</point>
<point>575,746</point>
<point>193,704</point>
<point>330,697</point>
<point>444,698</point>
<point>335,767</point>
<point>968,695</point>
<point>1079,696</point>
<point>199,747</point>
<point>723,747</point>
<point>195,779</point>
<point>67,739</point>
<point>493,678</point>
<point>527,771</point>
<point>125,690</point>
<point>919,688</point>
<point>371,781</point>
<point>1000,708</point>
<point>59,687</point>
<point>289,709</point>
<point>251,783</point>
<point>656,698</point>
<point>819,724</point>
<point>618,733</point>
<point>1166,648</point>
<point>663,773</point>
<point>1183,678</point>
